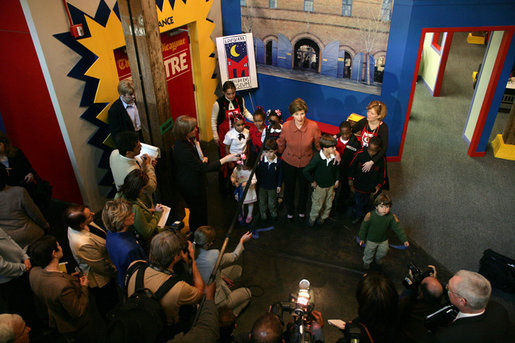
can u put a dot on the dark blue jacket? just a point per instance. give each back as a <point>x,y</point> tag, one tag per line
<point>270,175</point>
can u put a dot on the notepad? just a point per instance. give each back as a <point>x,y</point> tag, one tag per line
<point>164,216</point>
<point>152,151</point>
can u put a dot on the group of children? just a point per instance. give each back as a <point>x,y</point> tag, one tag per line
<point>327,177</point>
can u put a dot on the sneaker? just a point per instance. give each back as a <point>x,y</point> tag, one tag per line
<point>289,217</point>
<point>248,220</point>
<point>311,223</point>
<point>320,221</point>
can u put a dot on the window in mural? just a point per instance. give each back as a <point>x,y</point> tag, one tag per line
<point>342,44</point>
<point>386,10</point>
<point>309,5</point>
<point>346,8</point>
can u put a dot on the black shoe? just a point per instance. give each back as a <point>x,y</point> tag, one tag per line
<point>311,223</point>
<point>320,221</point>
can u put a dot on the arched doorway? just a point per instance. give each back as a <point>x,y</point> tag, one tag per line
<point>271,52</point>
<point>379,68</point>
<point>344,64</point>
<point>307,55</point>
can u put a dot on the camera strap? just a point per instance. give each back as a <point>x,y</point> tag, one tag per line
<point>368,332</point>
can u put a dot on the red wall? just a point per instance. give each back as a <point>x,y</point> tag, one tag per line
<point>25,105</point>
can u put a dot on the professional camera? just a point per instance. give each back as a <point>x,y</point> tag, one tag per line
<point>413,279</point>
<point>299,307</point>
<point>177,228</point>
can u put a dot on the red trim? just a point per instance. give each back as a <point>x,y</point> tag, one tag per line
<point>415,72</point>
<point>477,154</point>
<point>443,63</point>
<point>470,28</point>
<point>412,92</point>
<point>492,87</point>
<point>434,43</point>
<point>393,159</point>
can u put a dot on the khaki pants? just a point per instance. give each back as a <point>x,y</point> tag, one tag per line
<point>236,300</point>
<point>378,249</point>
<point>321,203</point>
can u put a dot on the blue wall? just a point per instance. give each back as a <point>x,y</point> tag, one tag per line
<point>332,105</point>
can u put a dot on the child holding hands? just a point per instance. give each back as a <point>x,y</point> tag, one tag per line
<point>374,229</point>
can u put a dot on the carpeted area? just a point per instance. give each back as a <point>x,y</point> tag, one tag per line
<point>452,205</point>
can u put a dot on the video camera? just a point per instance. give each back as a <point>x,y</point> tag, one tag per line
<point>413,279</point>
<point>299,307</point>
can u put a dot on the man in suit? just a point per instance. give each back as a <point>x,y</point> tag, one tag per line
<point>123,114</point>
<point>478,319</point>
<point>88,245</point>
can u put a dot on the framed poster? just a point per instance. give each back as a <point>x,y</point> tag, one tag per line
<point>236,60</point>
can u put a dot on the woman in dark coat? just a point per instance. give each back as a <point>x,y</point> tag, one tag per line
<point>190,169</point>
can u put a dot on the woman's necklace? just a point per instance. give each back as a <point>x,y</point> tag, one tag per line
<point>373,126</point>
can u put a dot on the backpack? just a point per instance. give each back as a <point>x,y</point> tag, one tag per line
<point>140,318</point>
<point>499,270</point>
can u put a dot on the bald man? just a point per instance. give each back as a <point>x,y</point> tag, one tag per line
<point>416,304</point>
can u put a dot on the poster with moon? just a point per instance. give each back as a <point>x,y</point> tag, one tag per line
<point>236,60</point>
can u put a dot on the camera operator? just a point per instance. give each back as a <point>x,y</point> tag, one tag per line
<point>423,297</point>
<point>478,319</point>
<point>269,329</point>
<point>377,311</point>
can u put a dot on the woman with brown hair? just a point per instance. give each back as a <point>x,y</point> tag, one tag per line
<point>145,219</point>
<point>190,169</point>
<point>296,142</point>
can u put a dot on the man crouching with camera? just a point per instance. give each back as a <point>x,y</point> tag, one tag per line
<point>423,295</point>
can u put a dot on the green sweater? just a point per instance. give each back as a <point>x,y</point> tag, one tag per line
<point>145,221</point>
<point>318,170</point>
<point>375,229</point>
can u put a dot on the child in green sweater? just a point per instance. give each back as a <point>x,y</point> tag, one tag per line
<point>374,230</point>
<point>323,175</point>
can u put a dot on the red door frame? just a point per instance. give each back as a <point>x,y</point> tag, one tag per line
<point>503,50</point>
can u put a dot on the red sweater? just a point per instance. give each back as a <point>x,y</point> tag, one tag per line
<point>296,145</point>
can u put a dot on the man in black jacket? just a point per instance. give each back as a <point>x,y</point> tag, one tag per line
<point>123,114</point>
<point>478,319</point>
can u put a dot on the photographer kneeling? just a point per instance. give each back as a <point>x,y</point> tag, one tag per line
<point>166,251</point>
<point>423,296</point>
